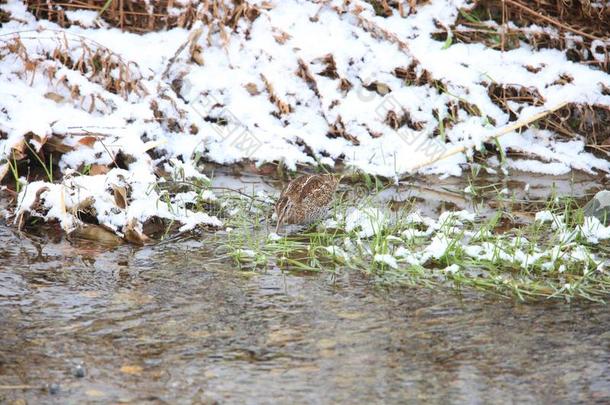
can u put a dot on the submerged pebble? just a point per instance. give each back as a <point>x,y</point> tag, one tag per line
<point>53,388</point>
<point>79,371</point>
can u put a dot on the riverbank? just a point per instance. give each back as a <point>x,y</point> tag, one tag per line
<point>95,118</point>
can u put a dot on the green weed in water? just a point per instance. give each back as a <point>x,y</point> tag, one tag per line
<point>531,261</point>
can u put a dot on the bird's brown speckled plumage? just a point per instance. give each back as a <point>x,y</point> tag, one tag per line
<point>306,199</point>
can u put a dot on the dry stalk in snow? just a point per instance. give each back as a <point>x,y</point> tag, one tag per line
<point>503,131</point>
<point>283,107</point>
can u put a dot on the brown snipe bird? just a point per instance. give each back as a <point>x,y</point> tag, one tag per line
<point>306,199</point>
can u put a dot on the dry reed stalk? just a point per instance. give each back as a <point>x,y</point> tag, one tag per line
<point>503,131</point>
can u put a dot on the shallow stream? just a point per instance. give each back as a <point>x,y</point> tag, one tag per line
<point>170,323</point>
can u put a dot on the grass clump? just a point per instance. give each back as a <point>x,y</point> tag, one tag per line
<point>560,254</point>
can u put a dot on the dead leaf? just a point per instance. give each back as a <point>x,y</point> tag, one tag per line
<point>265,169</point>
<point>197,55</point>
<point>18,150</point>
<point>56,143</point>
<point>153,144</point>
<point>4,170</point>
<point>345,86</point>
<point>120,196</point>
<point>36,204</point>
<point>384,9</point>
<point>30,65</point>
<point>281,38</point>
<point>41,140</point>
<point>22,217</point>
<point>97,234</point>
<point>88,141</point>
<point>58,98</point>
<point>84,205</point>
<point>283,108</point>
<point>330,70</point>
<point>133,235</point>
<point>98,169</point>
<point>304,73</point>
<point>252,89</point>
<point>337,130</point>
<point>75,92</point>
<point>62,206</point>
<point>380,88</point>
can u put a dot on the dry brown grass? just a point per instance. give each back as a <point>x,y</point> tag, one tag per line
<point>139,16</point>
<point>579,27</point>
<point>582,27</point>
<point>386,8</point>
<point>99,64</point>
<point>5,16</point>
<point>577,23</point>
<point>45,56</point>
<point>591,122</point>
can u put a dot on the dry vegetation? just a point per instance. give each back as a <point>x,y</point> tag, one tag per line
<point>141,16</point>
<point>581,28</point>
<point>90,77</point>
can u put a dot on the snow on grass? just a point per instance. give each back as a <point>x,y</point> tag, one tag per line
<point>386,259</point>
<point>532,261</point>
<point>367,222</point>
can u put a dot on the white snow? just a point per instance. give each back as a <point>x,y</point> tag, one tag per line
<point>163,129</point>
<point>386,259</point>
<point>367,221</point>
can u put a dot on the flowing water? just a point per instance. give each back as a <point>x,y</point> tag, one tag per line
<point>171,323</point>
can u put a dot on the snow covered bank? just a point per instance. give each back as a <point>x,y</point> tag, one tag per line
<point>296,82</point>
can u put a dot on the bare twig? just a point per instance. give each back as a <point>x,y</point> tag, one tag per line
<point>191,41</point>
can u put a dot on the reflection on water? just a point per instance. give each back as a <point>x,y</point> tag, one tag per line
<point>171,324</point>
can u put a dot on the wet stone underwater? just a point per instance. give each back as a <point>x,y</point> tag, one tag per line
<point>172,323</point>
